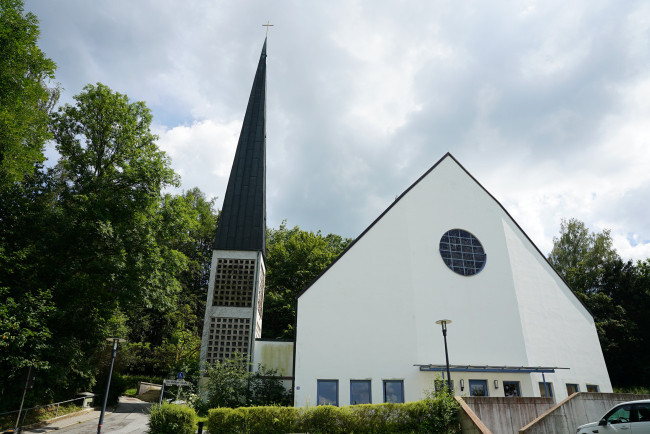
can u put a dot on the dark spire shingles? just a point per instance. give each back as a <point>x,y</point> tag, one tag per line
<point>242,225</point>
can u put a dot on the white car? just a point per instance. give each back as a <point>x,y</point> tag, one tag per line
<point>629,417</point>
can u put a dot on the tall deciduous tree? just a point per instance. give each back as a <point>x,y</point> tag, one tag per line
<point>106,258</point>
<point>616,292</point>
<point>580,255</point>
<point>25,97</point>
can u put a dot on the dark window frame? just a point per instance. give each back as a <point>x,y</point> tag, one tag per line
<point>401,383</point>
<point>517,384</point>
<point>577,387</point>
<point>550,389</point>
<point>595,386</point>
<point>481,381</point>
<point>369,382</point>
<point>462,252</point>
<point>441,384</point>
<point>318,389</point>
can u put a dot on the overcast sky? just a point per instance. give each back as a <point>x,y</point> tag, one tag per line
<point>546,103</point>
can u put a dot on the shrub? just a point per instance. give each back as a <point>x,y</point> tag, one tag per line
<point>117,389</point>
<point>225,421</point>
<point>442,412</point>
<point>172,419</point>
<point>271,420</point>
<point>378,418</point>
<point>327,419</point>
<point>263,420</point>
<point>436,414</point>
<point>232,384</point>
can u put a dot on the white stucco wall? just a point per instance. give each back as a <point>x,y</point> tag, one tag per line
<point>276,355</point>
<point>558,329</point>
<point>372,314</point>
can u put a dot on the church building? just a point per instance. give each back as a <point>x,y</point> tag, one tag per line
<point>445,254</point>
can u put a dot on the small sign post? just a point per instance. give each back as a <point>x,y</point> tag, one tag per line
<point>179,383</point>
<point>176,383</point>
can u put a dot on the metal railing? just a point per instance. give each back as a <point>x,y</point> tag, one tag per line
<point>57,404</point>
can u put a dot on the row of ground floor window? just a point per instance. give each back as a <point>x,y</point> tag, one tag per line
<point>393,390</point>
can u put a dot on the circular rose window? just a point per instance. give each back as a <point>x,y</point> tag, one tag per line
<point>462,252</point>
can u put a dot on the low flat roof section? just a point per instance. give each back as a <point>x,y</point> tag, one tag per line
<point>487,368</point>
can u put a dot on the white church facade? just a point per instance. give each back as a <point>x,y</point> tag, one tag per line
<point>445,249</point>
<point>366,327</point>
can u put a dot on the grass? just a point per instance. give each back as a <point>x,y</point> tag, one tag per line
<point>38,415</point>
<point>131,392</point>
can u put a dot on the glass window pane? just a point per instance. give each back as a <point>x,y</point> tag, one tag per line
<point>592,388</point>
<point>571,389</point>
<point>328,392</point>
<point>478,388</point>
<point>542,389</point>
<point>360,392</point>
<point>619,415</point>
<point>511,388</point>
<point>462,252</point>
<point>393,391</point>
<point>643,411</point>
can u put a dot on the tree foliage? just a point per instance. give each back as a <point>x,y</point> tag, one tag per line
<point>295,258</point>
<point>90,249</point>
<point>25,97</point>
<point>580,255</point>
<point>616,292</point>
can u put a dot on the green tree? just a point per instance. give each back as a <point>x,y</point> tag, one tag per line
<point>168,338</point>
<point>295,258</point>
<point>617,293</point>
<point>580,255</point>
<point>25,97</point>
<point>105,257</point>
<point>621,308</point>
<point>26,305</point>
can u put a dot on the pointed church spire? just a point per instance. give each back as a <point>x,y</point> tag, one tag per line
<point>242,225</point>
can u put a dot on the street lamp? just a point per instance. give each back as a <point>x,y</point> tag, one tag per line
<point>108,383</point>
<point>443,323</point>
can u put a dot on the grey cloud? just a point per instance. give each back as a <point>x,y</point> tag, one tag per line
<point>463,64</point>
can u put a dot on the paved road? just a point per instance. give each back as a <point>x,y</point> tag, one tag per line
<point>130,416</point>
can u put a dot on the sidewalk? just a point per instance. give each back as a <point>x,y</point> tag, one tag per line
<point>130,416</point>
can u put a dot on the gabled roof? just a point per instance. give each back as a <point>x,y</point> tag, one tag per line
<point>447,155</point>
<point>242,224</point>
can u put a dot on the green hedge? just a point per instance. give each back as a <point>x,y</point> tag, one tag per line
<point>172,419</point>
<point>427,416</point>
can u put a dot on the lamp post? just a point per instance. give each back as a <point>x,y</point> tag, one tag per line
<point>108,383</point>
<point>443,323</point>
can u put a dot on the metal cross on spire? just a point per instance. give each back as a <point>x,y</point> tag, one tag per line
<point>267,25</point>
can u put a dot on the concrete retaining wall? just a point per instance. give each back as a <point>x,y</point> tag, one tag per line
<point>469,421</point>
<point>507,415</point>
<point>144,387</point>
<point>578,409</point>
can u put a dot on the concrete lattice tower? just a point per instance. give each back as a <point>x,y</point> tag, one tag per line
<point>233,313</point>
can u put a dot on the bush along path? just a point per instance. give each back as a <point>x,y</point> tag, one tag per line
<point>436,414</point>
